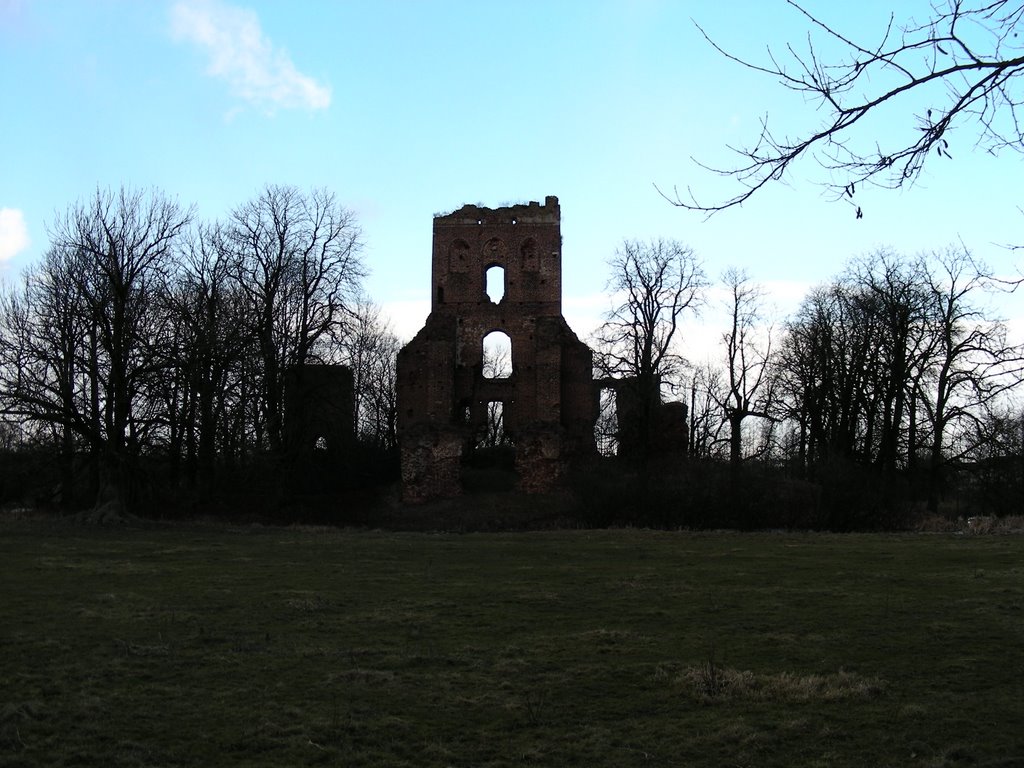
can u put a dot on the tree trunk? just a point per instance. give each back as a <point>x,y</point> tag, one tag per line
<point>735,437</point>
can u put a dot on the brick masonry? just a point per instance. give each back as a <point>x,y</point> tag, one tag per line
<point>549,399</point>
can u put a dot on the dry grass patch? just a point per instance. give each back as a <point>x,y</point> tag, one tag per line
<point>978,525</point>
<point>987,524</point>
<point>710,682</point>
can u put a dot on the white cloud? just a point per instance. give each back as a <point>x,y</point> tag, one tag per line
<point>240,54</point>
<point>13,233</point>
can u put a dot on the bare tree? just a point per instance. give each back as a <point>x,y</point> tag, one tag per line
<point>995,456</point>
<point>973,363</point>
<point>297,260</point>
<point>371,349</point>
<point>42,351</point>
<point>653,285</point>
<point>895,293</point>
<point>826,368</point>
<point>748,347</point>
<point>899,359</point>
<point>126,242</point>
<point>213,335</point>
<point>961,67</point>
<point>497,356</point>
<point>707,392</point>
<point>85,337</point>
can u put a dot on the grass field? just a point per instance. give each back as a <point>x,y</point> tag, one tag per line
<point>180,646</point>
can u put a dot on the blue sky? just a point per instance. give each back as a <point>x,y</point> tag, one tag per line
<point>406,109</point>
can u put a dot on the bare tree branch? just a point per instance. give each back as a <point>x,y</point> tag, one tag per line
<point>965,62</point>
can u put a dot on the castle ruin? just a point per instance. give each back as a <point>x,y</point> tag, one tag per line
<point>446,391</point>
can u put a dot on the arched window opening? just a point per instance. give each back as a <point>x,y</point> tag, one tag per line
<point>497,355</point>
<point>320,444</point>
<point>606,428</point>
<point>495,279</point>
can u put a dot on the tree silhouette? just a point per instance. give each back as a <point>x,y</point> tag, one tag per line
<point>973,364</point>
<point>85,340</point>
<point>748,390</point>
<point>297,259</point>
<point>653,285</point>
<point>961,67</point>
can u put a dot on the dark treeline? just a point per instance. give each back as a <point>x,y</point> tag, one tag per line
<point>888,395</point>
<point>143,361</point>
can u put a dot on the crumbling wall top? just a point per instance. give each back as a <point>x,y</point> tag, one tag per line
<point>525,213</point>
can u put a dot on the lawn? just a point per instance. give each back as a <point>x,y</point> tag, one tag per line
<point>190,645</point>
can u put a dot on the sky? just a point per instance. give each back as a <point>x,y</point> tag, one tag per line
<point>406,108</point>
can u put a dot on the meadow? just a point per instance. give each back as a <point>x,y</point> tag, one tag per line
<point>178,645</point>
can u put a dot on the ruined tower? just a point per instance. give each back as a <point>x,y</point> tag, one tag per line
<point>444,389</point>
